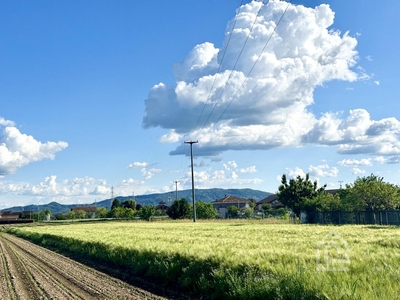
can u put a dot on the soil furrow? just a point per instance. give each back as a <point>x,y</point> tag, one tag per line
<point>49,280</point>
<point>6,285</point>
<point>38,273</point>
<point>23,284</point>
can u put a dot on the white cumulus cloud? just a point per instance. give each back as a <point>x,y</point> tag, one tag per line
<point>355,162</point>
<point>323,171</point>
<point>257,95</point>
<point>18,150</point>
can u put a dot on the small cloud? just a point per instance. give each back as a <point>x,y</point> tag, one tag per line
<point>130,181</point>
<point>379,159</point>
<point>138,165</point>
<point>101,190</point>
<point>296,172</point>
<point>323,171</point>
<point>368,57</point>
<point>4,122</point>
<point>251,169</point>
<point>357,171</point>
<point>147,174</point>
<point>377,82</point>
<point>355,162</point>
<point>232,164</point>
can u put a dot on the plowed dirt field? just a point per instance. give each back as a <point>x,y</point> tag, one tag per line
<point>30,272</point>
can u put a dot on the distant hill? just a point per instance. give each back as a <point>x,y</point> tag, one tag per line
<point>206,195</point>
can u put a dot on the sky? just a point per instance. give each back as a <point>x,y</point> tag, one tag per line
<point>98,96</point>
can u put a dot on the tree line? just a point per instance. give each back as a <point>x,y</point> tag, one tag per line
<point>129,209</point>
<point>368,193</point>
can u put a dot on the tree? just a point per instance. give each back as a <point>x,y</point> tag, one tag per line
<point>371,193</point>
<point>180,209</point>
<point>117,212</point>
<point>266,208</point>
<point>248,212</point>
<point>129,213</point>
<point>76,214</point>
<point>116,203</point>
<point>252,203</point>
<point>43,214</point>
<point>294,193</point>
<point>205,210</point>
<point>101,212</point>
<point>147,212</point>
<point>129,204</point>
<point>233,211</point>
<point>80,214</point>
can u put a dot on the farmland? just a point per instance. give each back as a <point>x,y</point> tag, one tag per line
<point>241,259</point>
<point>31,272</point>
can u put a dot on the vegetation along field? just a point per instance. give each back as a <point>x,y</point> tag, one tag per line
<point>242,259</point>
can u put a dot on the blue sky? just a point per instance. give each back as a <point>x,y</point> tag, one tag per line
<point>101,94</point>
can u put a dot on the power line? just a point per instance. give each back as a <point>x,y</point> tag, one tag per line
<point>252,68</point>
<point>234,66</point>
<point>219,69</point>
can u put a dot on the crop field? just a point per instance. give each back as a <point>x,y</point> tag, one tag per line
<point>242,260</point>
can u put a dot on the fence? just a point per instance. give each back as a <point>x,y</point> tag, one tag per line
<point>382,217</point>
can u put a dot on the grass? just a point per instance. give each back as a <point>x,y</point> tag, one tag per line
<point>239,260</point>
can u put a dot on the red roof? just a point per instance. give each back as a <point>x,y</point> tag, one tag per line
<point>85,208</point>
<point>231,199</point>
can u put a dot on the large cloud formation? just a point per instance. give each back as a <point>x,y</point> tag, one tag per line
<point>18,150</point>
<point>256,96</point>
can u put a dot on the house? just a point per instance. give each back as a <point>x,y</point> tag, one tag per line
<point>162,207</point>
<point>12,216</point>
<point>221,205</point>
<point>9,215</point>
<point>272,200</point>
<point>87,209</point>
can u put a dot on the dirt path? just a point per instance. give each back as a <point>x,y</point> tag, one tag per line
<point>30,272</point>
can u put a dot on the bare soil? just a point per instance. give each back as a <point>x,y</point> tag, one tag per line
<point>30,272</point>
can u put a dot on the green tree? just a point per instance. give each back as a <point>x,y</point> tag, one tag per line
<point>129,213</point>
<point>101,212</point>
<point>371,193</point>
<point>117,213</point>
<point>205,210</point>
<point>76,214</point>
<point>180,209</point>
<point>295,192</point>
<point>233,211</point>
<point>44,213</point>
<point>147,212</point>
<point>129,204</point>
<point>248,212</point>
<point>266,208</point>
<point>115,203</point>
<point>80,214</point>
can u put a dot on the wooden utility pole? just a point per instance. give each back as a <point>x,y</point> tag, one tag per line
<point>191,156</point>
<point>176,189</point>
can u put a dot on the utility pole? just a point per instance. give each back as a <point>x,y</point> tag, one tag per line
<point>191,157</point>
<point>340,182</point>
<point>176,189</point>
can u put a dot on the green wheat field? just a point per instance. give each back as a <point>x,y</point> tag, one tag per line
<point>241,259</point>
